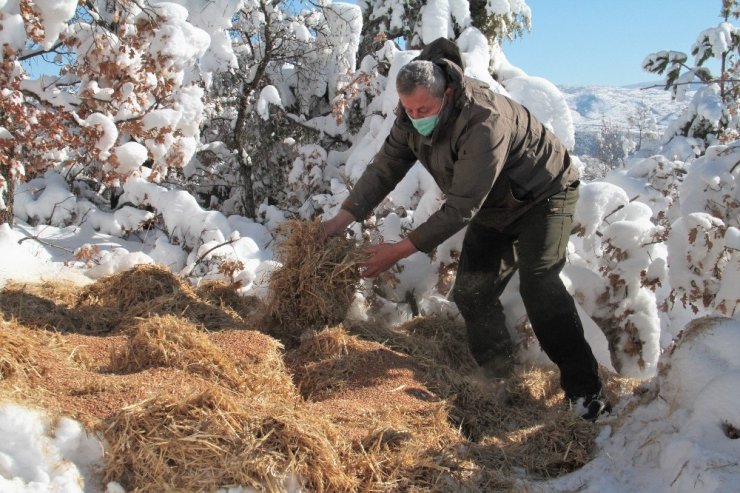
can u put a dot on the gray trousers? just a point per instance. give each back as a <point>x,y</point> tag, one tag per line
<point>536,244</point>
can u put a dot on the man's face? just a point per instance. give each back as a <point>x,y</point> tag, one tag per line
<point>420,103</point>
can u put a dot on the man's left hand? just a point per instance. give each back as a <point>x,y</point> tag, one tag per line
<point>384,255</point>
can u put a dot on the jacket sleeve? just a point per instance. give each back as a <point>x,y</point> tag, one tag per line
<point>482,153</point>
<point>388,167</point>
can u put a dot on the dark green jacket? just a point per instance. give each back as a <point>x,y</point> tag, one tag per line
<point>488,154</point>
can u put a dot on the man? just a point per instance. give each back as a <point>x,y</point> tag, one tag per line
<point>510,181</point>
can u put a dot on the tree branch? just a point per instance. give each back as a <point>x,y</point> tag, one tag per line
<point>33,54</point>
<point>202,257</point>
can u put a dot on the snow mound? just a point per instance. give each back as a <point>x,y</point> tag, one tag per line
<point>681,435</point>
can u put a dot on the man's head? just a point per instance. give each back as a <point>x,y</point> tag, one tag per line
<point>422,90</point>
<point>421,73</point>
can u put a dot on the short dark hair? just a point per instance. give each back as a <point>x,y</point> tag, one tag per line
<point>421,73</point>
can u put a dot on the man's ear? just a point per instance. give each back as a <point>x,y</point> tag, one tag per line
<point>449,91</point>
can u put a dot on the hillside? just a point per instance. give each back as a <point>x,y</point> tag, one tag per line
<point>591,106</point>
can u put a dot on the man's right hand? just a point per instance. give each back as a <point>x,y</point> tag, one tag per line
<point>336,224</point>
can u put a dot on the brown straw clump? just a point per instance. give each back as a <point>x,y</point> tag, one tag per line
<point>402,439</point>
<point>505,418</point>
<point>540,386</point>
<point>557,443</point>
<point>18,352</point>
<point>170,341</point>
<point>441,340</point>
<point>27,356</point>
<point>46,305</point>
<point>477,402</point>
<point>224,296</point>
<point>327,360</point>
<point>259,359</point>
<point>212,441</point>
<point>137,285</point>
<point>410,451</point>
<point>143,291</point>
<point>316,283</point>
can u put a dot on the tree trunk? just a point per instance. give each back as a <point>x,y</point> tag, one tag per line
<point>245,163</point>
<point>8,196</point>
<point>239,135</point>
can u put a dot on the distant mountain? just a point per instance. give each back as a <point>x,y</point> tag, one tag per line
<point>592,106</point>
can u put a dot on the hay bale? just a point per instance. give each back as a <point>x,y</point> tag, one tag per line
<point>315,285</point>
<point>170,341</point>
<point>212,440</point>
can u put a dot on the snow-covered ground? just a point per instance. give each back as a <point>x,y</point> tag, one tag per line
<point>657,249</point>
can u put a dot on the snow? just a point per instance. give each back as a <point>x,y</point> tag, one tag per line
<point>214,18</point>
<point>108,130</point>
<point>436,21</point>
<point>54,16</point>
<point>36,455</point>
<point>131,156</point>
<point>714,41</point>
<point>269,95</point>
<point>546,102</point>
<point>674,439</point>
<point>642,260</point>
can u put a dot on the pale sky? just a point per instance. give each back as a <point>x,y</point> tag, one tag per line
<point>603,42</point>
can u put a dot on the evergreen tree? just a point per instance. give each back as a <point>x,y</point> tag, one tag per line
<point>713,113</point>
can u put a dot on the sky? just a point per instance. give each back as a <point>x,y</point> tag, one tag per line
<point>600,42</point>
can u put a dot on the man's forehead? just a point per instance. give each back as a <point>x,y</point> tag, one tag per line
<point>420,96</point>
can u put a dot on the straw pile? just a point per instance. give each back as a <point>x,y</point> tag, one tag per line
<point>438,346</point>
<point>16,361</point>
<point>169,341</point>
<point>315,285</point>
<point>143,291</point>
<point>353,407</point>
<point>211,440</point>
<point>400,433</point>
<point>226,298</point>
<point>518,423</point>
<point>47,305</point>
<point>327,360</point>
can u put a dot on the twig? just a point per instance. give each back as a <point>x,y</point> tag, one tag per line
<point>679,472</point>
<point>710,81</point>
<point>619,208</point>
<point>200,259</point>
<point>46,243</point>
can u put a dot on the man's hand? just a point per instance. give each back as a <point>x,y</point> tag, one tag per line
<point>384,255</point>
<point>336,224</point>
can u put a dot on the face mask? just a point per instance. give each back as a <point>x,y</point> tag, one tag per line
<point>425,126</point>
